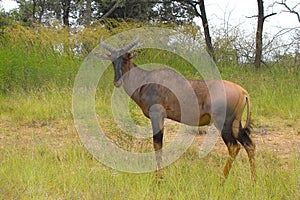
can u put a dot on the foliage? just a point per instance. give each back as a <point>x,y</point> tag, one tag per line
<point>5,19</point>
<point>174,11</point>
<point>136,9</point>
<point>35,58</point>
<point>232,48</point>
<point>38,59</point>
<point>75,12</point>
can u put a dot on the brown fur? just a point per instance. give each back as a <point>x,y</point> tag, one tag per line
<point>159,102</point>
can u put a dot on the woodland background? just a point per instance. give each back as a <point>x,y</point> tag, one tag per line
<point>42,46</point>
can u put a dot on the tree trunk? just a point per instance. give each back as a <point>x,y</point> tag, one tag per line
<point>42,10</point>
<point>33,11</point>
<point>259,31</point>
<point>208,42</point>
<point>202,15</point>
<point>115,6</point>
<point>66,11</point>
<point>88,12</point>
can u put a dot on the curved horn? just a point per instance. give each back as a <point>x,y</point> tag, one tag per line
<point>131,45</point>
<point>107,47</point>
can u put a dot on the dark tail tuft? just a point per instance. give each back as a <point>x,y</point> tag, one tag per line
<point>248,130</point>
<point>243,136</point>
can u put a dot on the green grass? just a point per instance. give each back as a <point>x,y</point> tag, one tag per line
<point>45,173</point>
<point>272,96</point>
<point>33,69</point>
<point>273,92</point>
<point>41,156</point>
<point>36,106</point>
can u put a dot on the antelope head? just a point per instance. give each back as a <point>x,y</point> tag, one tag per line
<point>118,58</point>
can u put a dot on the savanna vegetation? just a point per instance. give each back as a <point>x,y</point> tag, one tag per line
<point>42,157</point>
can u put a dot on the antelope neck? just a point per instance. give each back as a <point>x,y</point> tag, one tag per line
<point>133,78</point>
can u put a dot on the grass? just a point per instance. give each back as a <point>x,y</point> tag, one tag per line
<point>41,156</point>
<point>45,173</point>
<point>36,106</point>
<point>273,91</point>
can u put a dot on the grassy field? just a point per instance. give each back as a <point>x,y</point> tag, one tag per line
<point>41,156</point>
<point>50,163</point>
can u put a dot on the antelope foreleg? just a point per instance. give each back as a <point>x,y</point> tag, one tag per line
<point>157,121</point>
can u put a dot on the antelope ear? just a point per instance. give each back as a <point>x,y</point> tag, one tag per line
<point>133,55</point>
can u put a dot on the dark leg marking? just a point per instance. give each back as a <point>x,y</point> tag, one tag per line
<point>249,146</point>
<point>233,150</point>
<point>157,116</point>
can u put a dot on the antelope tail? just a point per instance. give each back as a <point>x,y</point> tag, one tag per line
<point>248,120</point>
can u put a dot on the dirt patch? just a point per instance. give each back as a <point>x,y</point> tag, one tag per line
<point>26,136</point>
<point>282,138</point>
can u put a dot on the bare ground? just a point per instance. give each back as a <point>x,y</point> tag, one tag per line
<point>282,137</point>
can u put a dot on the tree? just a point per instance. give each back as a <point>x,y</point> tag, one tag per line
<point>134,9</point>
<point>290,9</point>
<point>66,7</point>
<point>178,12</point>
<point>87,15</point>
<point>86,11</point>
<point>202,15</point>
<point>186,10</point>
<point>290,47</point>
<point>259,31</point>
<point>41,11</point>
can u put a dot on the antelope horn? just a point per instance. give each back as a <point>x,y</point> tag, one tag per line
<point>103,56</point>
<point>107,47</point>
<point>131,45</point>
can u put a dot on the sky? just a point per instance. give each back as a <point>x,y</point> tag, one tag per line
<point>236,12</point>
<point>8,5</point>
<point>240,12</point>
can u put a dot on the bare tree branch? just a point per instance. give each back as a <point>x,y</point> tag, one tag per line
<point>196,10</point>
<point>289,9</point>
<point>253,16</point>
<point>115,6</point>
<point>269,15</point>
